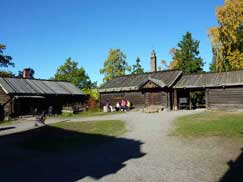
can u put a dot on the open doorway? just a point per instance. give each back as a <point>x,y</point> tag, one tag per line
<point>191,99</point>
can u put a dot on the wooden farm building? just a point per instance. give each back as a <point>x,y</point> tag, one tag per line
<point>21,96</point>
<point>171,89</point>
<point>221,90</point>
<point>142,90</point>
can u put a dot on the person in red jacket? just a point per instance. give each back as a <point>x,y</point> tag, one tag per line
<point>123,105</point>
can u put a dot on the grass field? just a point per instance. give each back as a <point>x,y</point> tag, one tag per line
<point>68,115</point>
<point>87,114</point>
<point>210,123</point>
<point>107,127</point>
<point>3,123</point>
<point>69,135</point>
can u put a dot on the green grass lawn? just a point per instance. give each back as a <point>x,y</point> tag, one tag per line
<point>70,135</point>
<point>68,115</point>
<point>3,123</point>
<point>87,114</point>
<point>107,127</point>
<point>210,123</point>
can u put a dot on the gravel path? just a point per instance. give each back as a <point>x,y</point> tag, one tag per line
<point>169,158</point>
<point>145,153</point>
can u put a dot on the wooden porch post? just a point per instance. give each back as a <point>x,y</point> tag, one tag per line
<point>169,95</point>
<point>206,98</point>
<point>100,102</point>
<point>12,107</point>
<point>167,100</point>
<point>190,101</point>
<point>175,100</point>
<point>144,99</point>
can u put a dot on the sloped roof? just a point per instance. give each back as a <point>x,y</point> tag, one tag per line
<point>38,87</point>
<point>156,81</point>
<point>231,78</point>
<point>134,82</point>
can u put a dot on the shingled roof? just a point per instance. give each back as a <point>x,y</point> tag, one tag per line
<point>134,82</point>
<point>232,78</point>
<point>37,87</point>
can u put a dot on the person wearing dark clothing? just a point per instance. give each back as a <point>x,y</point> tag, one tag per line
<point>50,110</point>
<point>41,119</point>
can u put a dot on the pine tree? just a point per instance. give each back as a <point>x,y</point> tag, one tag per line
<point>5,61</point>
<point>186,56</point>
<point>137,68</point>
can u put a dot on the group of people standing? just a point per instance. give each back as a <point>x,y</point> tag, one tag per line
<point>123,105</point>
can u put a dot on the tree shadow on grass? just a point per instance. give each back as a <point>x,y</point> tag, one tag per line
<point>53,154</point>
<point>235,171</point>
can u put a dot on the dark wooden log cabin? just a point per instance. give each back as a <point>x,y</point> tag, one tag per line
<point>142,90</point>
<point>153,88</point>
<point>172,90</point>
<point>222,90</point>
<point>21,96</point>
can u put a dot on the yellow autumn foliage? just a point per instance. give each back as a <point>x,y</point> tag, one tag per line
<point>227,37</point>
<point>173,64</point>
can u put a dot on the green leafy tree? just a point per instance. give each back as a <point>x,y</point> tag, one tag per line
<point>5,61</point>
<point>186,56</point>
<point>92,93</point>
<point>227,37</point>
<point>137,68</point>
<point>6,74</point>
<point>212,66</point>
<point>115,65</point>
<point>70,72</point>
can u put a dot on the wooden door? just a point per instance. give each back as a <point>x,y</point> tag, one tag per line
<point>153,98</point>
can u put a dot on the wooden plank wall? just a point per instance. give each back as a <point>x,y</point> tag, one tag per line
<point>3,99</point>
<point>156,98</point>
<point>229,98</point>
<point>136,98</point>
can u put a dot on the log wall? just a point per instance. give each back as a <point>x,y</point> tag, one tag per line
<point>3,99</point>
<point>229,98</point>
<point>156,98</point>
<point>136,98</point>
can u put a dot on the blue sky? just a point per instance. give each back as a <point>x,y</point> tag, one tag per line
<point>41,34</point>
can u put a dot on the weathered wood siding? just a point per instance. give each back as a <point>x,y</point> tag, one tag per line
<point>225,98</point>
<point>136,97</point>
<point>150,85</point>
<point>139,99</point>
<point>3,99</point>
<point>29,106</point>
<point>156,98</point>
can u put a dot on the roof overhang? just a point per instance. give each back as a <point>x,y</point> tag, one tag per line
<point>157,82</point>
<point>208,86</point>
<point>118,89</point>
<point>29,97</point>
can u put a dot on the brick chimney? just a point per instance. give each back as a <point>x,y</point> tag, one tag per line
<point>153,62</point>
<point>26,73</point>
